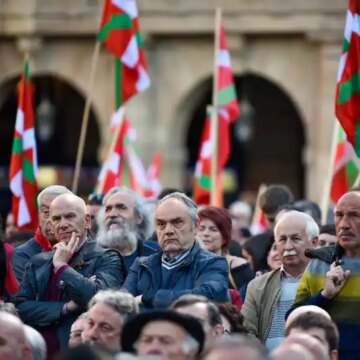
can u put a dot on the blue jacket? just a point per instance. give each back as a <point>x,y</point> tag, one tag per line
<point>22,255</point>
<point>73,283</point>
<point>201,273</point>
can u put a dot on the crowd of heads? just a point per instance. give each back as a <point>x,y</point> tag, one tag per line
<point>192,326</point>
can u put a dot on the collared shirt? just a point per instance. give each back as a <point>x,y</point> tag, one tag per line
<point>171,263</point>
<point>285,275</point>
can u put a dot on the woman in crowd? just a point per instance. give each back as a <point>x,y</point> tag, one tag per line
<point>215,235</point>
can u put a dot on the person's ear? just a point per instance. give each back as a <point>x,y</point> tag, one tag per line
<point>334,355</point>
<point>196,226</point>
<point>315,241</point>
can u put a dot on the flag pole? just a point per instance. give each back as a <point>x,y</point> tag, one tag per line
<point>214,112</point>
<point>115,138</point>
<point>85,118</point>
<point>327,188</point>
<point>255,218</point>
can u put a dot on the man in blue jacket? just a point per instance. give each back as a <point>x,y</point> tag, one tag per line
<point>58,285</point>
<point>181,267</point>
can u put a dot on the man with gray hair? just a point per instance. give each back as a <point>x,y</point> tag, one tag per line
<point>271,295</point>
<point>182,266</point>
<point>108,311</point>
<point>125,225</point>
<point>44,239</point>
<point>12,338</point>
<point>36,343</point>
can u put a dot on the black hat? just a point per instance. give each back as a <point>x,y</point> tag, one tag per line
<point>132,329</point>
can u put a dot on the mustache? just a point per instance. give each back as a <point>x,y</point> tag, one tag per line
<point>289,253</point>
<point>114,221</point>
<point>345,233</point>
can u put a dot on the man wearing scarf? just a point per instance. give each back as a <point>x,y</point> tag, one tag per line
<point>57,285</point>
<point>44,239</point>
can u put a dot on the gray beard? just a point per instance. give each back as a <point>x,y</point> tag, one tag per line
<point>119,239</point>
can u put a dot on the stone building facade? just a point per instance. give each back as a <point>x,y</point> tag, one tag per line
<point>284,53</point>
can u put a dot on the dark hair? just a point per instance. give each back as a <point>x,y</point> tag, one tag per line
<point>274,197</point>
<point>309,207</point>
<point>3,269</point>
<point>328,229</point>
<point>258,248</point>
<point>95,199</point>
<point>166,191</point>
<point>310,320</point>
<point>235,318</point>
<point>188,300</point>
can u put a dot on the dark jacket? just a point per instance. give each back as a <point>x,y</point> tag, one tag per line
<point>74,284</point>
<point>22,255</point>
<point>201,273</point>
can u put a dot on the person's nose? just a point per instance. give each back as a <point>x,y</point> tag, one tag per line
<point>169,228</point>
<point>289,244</point>
<point>92,333</point>
<point>63,222</point>
<point>344,223</point>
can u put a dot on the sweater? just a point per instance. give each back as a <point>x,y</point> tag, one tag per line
<point>344,309</point>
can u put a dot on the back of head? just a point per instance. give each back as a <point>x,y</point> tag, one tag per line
<point>292,352</point>
<point>274,197</point>
<point>328,229</point>
<point>237,347</point>
<point>36,342</point>
<point>309,207</point>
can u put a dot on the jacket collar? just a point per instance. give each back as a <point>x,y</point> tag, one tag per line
<point>155,259</point>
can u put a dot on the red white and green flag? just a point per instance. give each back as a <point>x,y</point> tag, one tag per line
<point>120,33</point>
<point>348,81</point>
<point>153,173</point>
<point>228,111</point>
<point>23,165</point>
<point>112,168</point>
<point>346,167</point>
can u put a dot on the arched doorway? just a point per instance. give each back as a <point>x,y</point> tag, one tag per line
<point>267,140</point>
<point>58,108</point>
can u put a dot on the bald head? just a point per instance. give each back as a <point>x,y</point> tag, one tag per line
<point>347,223</point>
<point>69,214</point>
<point>306,309</point>
<point>12,338</point>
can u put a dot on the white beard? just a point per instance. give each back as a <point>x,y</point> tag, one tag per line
<point>119,238</point>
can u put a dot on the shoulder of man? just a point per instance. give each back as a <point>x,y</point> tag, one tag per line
<point>29,246</point>
<point>261,281</point>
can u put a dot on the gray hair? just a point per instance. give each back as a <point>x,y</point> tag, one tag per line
<point>36,343</point>
<point>120,301</point>
<point>311,227</point>
<point>145,227</point>
<point>9,308</point>
<point>53,189</point>
<point>190,204</point>
<point>239,342</point>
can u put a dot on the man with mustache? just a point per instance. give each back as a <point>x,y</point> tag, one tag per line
<point>125,225</point>
<point>332,280</point>
<point>271,295</point>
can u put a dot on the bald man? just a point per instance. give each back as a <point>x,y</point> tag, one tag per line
<point>12,338</point>
<point>271,295</point>
<point>58,285</point>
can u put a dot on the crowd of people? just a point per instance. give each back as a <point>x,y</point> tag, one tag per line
<point>121,277</point>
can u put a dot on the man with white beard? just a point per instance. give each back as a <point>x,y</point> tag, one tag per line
<point>271,295</point>
<point>125,225</point>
